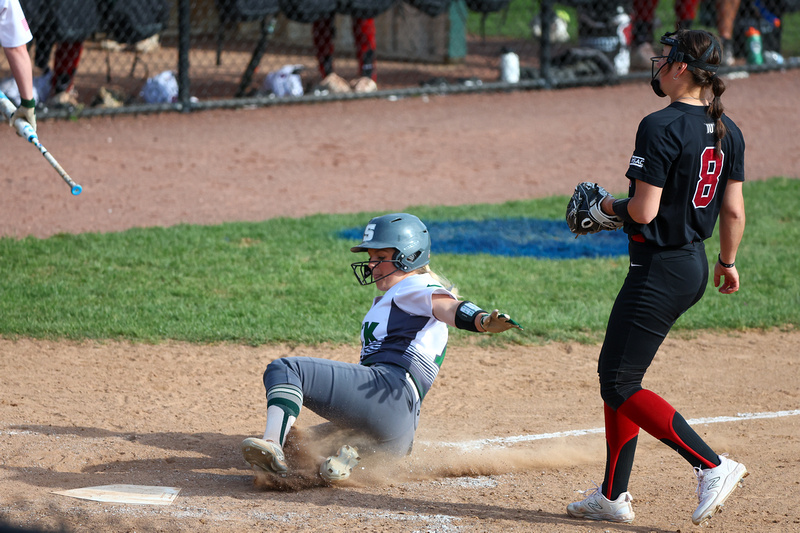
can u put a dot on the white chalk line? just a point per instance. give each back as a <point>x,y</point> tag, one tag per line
<point>505,441</point>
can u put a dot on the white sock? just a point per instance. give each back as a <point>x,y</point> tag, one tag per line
<point>279,422</point>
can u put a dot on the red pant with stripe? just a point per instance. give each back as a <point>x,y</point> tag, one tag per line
<point>324,35</point>
<point>661,285</point>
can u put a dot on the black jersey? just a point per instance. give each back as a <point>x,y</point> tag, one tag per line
<point>675,151</point>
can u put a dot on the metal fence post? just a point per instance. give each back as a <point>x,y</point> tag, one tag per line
<point>184,43</point>
<point>546,16</point>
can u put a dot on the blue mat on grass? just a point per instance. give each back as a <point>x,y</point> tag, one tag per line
<point>516,237</point>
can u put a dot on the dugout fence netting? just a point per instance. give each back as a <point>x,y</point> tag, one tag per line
<point>95,57</point>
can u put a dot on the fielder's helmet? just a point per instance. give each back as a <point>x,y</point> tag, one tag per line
<point>401,231</point>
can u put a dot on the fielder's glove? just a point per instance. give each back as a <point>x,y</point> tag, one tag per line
<point>583,211</point>
<point>26,113</point>
<point>497,322</point>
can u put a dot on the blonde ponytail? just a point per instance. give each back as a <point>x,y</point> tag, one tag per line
<point>441,280</point>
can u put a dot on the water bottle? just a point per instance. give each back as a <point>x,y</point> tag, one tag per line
<point>509,66</point>
<point>755,54</point>
<point>771,57</point>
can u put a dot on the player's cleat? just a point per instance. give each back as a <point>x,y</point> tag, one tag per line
<point>264,455</point>
<point>714,485</point>
<point>364,85</point>
<point>339,467</point>
<point>598,507</point>
<point>727,53</point>
<point>335,84</point>
<point>67,99</point>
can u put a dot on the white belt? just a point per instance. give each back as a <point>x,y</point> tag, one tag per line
<point>413,386</point>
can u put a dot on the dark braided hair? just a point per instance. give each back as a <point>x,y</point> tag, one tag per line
<point>695,43</point>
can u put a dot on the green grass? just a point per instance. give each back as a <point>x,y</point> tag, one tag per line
<point>790,35</point>
<point>289,280</point>
<point>514,23</point>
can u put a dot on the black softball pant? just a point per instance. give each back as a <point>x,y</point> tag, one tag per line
<point>660,286</point>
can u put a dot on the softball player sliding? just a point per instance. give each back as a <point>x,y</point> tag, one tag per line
<point>14,34</point>
<point>403,339</point>
<point>686,170</point>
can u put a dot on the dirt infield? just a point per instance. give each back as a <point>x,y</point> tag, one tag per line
<point>506,437</point>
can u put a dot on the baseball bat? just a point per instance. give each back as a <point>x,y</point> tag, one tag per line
<point>7,109</point>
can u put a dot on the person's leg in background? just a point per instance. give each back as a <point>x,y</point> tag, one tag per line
<point>685,13</point>
<point>44,49</point>
<point>65,64</point>
<point>364,37</point>
<point>323,32</point>
<point>644,12</point>
<point>726,16</point>
<point>642,22</point>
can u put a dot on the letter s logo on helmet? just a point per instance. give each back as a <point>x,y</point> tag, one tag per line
<point>369,232</point>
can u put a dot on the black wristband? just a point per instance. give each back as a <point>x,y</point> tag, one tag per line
<point>723,263</point>
<point>620,208</point>
<point>465,316</point>
<point>30,104</point>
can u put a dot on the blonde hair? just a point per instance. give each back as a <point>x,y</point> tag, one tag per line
<point>441,280</point>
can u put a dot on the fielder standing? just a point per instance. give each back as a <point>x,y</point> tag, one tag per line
<point>686,171</point>
<point>403,337</point>
<point>14,35</point>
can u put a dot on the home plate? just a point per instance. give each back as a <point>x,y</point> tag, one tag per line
<point>142,494</point>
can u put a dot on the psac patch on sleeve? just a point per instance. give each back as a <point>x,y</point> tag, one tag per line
<point>637,161</point>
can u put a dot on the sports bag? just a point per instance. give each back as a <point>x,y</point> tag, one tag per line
<point>432,8</point>
<point>61,20</point>
<point>236,10</point>
<point>306,11</point>
<point>365,9</point>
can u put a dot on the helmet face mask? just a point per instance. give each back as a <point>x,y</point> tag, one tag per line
<point>363,271</point>
<point>404,233</point>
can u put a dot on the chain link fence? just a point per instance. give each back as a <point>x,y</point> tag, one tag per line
<point>111,56</point>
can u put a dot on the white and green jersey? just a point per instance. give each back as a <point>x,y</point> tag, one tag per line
<point>14,30</point>
<point>400,329</point>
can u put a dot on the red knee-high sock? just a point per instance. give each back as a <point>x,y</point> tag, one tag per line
<point>657,417</point>
<point>685,11</point>
<point>65,63</point>
<point>644,10</point>
<point>324,36</point>
<point>621,437</point>
<point>364,36</point>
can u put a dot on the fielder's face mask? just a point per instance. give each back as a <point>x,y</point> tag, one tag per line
<point>677,56</point>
